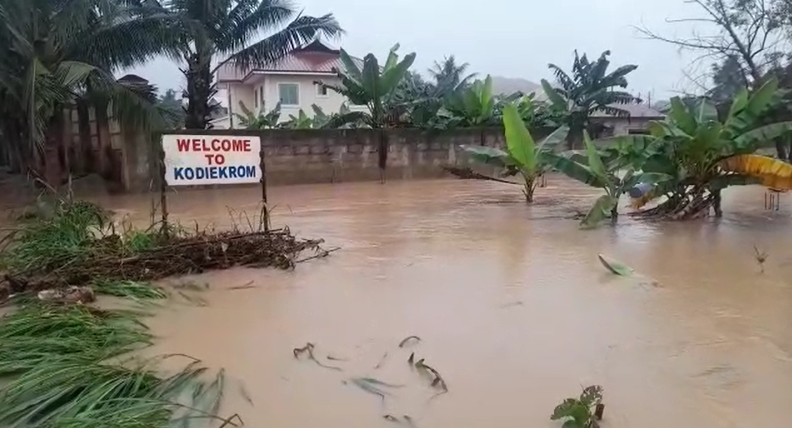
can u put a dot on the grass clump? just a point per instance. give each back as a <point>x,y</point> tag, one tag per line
<point>135,290</point>
<point>65,236</point>
<point>68,366</point>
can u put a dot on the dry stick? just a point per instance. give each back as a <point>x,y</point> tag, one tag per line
<point>438,380</point>
<point>407,339</point>
<point>244,286</point>
<point>321,254</point>
<point>381,361</point>
<point>309,348</point>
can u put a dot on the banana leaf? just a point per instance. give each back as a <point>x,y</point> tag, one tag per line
<point>614,266</point>
<point>519,141</point>
<point>772,172</point>
<point>573,170</point>
<point>599,212</point>
<point>762,137</point>
<point>489,155</point>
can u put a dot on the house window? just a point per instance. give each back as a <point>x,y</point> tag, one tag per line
<point>289,94</point>
<point>256,99</point>
<point>638,132</point>
<point>261,95</point>
<point>321,91</point>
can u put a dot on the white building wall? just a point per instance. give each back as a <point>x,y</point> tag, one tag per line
<point>308,95</point>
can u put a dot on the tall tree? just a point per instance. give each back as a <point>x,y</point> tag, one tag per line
<point>745,31</point>
<point>173,104</point>
<point>588,90</point>
<point>216,32</point>
<point>63,52</point>
<point>728,78</point>
<point>449,76</point>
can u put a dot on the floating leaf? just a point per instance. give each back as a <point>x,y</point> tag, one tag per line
<point>614,266</point>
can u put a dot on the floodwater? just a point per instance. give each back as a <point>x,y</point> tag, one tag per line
<point>511,304</point>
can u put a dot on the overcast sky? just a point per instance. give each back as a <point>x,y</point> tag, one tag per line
<point>511,38</point>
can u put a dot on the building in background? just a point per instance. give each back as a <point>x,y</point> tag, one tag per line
<point>290,81</point>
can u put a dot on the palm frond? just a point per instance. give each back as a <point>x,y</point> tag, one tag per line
<point>278,45</point>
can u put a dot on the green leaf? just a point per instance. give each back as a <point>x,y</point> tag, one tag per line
<point>599,212</point>
<point>706,112</point>
<point>573,170</point>
<point>488,155</point>
<point>558,101</point>
<point>762,137</point>
<point>594,160</point>
<point>350,66</point>
<point>660,164</point>
<point>739,103</point>
<point>555,138</point>
<point>392,76</point>
<point>614,266</point>
<point>518,140</point>
<point>681,116</point>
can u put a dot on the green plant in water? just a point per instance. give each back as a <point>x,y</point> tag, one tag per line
<point>580,412</point>
<point>704,153</point>
<point>522,156</point>
<point>129,289</point>
<point>65,236</point>
<point>592,170</point>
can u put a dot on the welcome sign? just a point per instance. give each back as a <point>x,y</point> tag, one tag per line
<point>192,160</point>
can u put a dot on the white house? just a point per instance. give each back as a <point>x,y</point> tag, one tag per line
<point>290,81</point>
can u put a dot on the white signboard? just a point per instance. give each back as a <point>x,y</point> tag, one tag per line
<point>192,160</point>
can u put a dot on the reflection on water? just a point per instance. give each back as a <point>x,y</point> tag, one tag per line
<point>511,304</point>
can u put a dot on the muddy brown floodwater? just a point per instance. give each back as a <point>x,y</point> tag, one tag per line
<point>510,301</point>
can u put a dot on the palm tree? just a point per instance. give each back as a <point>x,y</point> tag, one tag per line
<point>225,28</point>
<point>587,91</point>
<point>450,76</point>
<point>65,52</point>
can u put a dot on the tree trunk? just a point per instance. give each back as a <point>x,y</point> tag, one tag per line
<point>528,190</point>
<point>716,203</point>
<point>53,142</point>
<point>781,148</point>
<point>575,137</point>
<point>199,92</point>
<point>615,213</point>
<point>86,144</point>
<point>103,135</point>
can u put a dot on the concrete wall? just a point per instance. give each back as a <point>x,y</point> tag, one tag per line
<point>331,156</point>
<point>344,155</point>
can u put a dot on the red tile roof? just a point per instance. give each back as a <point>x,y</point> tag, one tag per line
<point>313,58</point>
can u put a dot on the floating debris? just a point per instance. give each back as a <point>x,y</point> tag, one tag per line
<point>761,258</point>
<point>615,267</point>
<point>308,348</point>
<point>381,361</point>
<point>71,294</point>
<point>409,340</point>
<point>369,387</point>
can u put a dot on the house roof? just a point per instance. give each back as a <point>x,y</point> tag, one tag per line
<point>637,111</point>
<point>313,58</point>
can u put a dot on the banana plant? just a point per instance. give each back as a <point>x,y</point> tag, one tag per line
<point>371,85</point>
<point>592,170</point>
<point>705,154</point>
<point>301,121</point>
<point>471,106</point>
<point>260,120</point>
<point>522,155</point>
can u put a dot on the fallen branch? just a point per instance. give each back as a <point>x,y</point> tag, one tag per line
<point>469,174</point>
